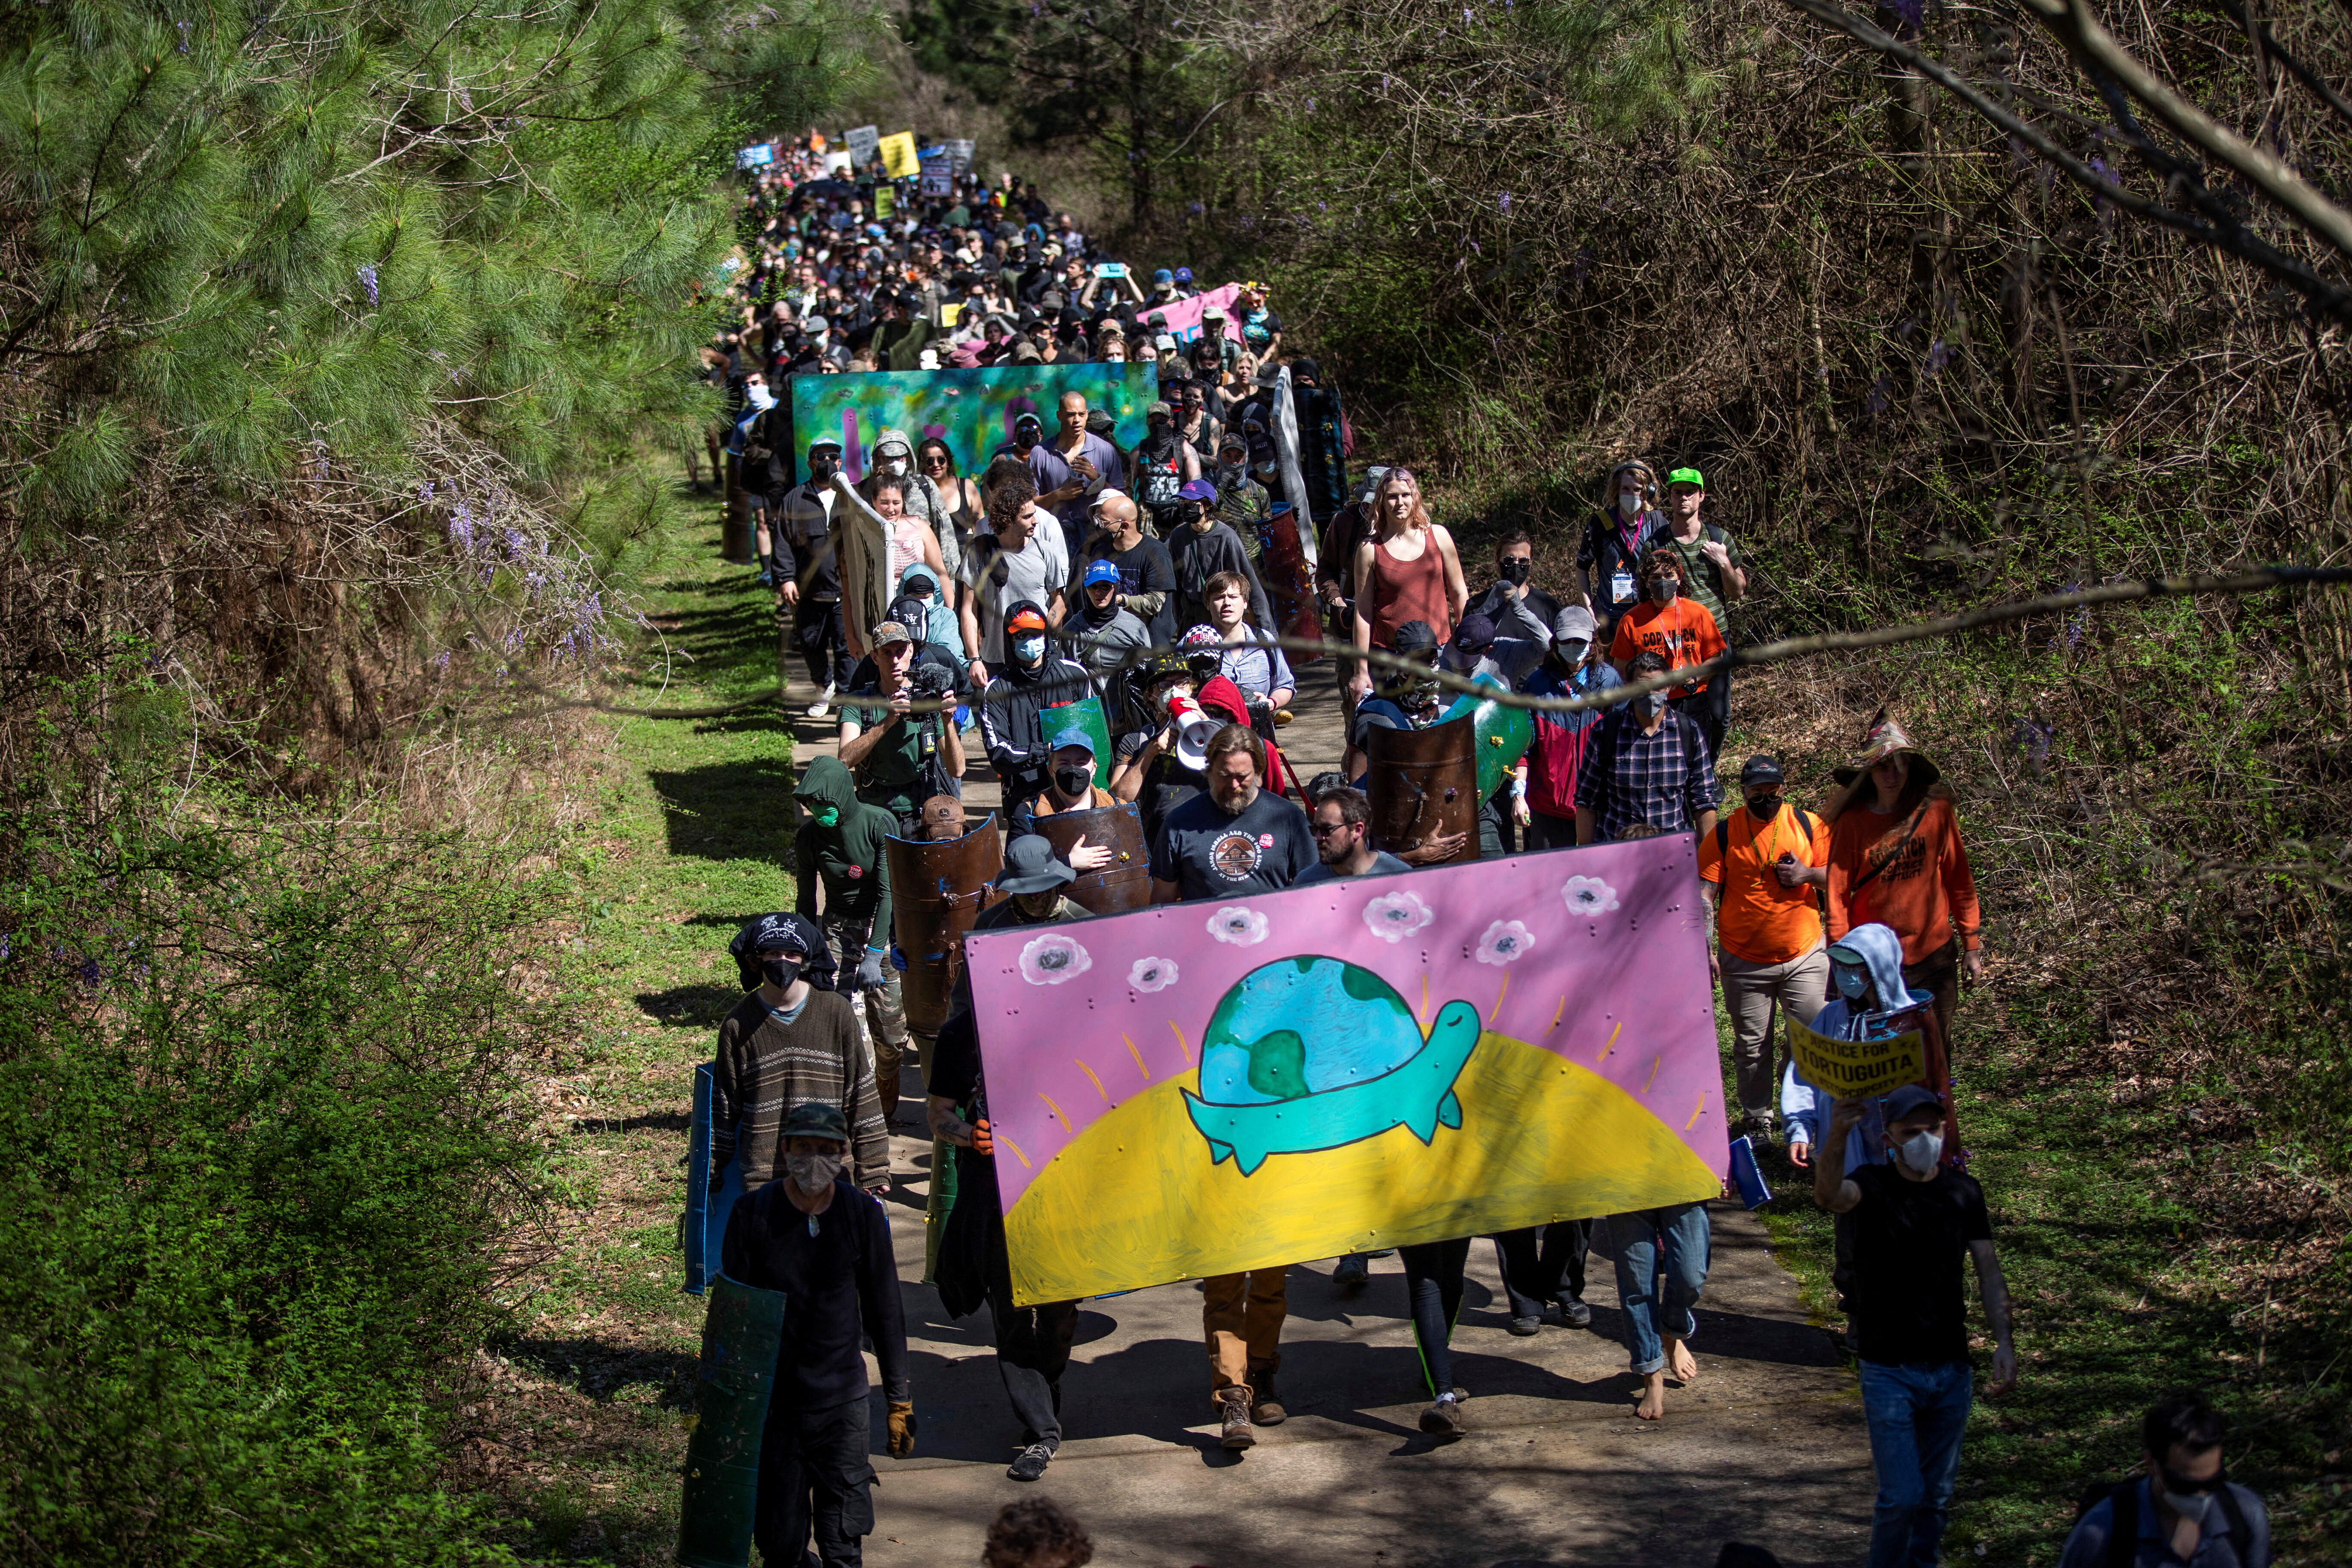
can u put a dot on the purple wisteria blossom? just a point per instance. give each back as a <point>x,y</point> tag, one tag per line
<point>367,281</point>
<point>1938,356</point>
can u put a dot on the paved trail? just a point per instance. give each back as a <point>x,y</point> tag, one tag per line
<point>1767,1447</point>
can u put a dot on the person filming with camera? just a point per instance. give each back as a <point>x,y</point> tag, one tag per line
<point>899,758</point>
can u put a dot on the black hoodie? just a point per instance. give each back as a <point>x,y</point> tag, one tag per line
<point>1009,726</point>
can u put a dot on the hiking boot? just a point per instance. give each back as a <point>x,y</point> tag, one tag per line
<point>1574,1312</point>
<point>1234,1407</point>
<point>1444,1419</point>
<point>1352,1274</point>
<point>1032,1462</point>
<point>1266,1405</point>
<point>1525,1328</point>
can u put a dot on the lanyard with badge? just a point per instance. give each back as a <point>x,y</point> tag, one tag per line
<point>1620,582</point>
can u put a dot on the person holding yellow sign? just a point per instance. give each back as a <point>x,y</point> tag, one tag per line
<point>1869,1003</point>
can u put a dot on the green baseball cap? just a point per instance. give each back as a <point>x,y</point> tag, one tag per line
<point>1687,477</point>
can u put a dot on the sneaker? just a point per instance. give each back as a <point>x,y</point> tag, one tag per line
<point>1575,1313</point>
<point>1238,1433</point>
<point>1442,1419</point>
<point>1525,1328</point>
<point>1032,1462</point>
<point>824,703</point>
<point>1352,1274</point>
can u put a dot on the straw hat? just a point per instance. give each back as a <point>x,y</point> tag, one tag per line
<point>1884,738</point>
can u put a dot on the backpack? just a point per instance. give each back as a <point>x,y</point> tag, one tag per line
<point>2123,1523</point>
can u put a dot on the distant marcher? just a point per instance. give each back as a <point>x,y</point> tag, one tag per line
<point>1645,770</point>
<point>1610,557</point>
<point>838,846</point>
<point>1715,573</point>
<point>1759,870</point>
<point>1572,667</point>
<point>2184,1510</point>
<point>1678,628</point>
<point>1408,571</point>
<point>1896,857</point>
<point>1914,1219</point>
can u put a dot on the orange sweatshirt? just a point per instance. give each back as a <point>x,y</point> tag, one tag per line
<point>1921,885</point>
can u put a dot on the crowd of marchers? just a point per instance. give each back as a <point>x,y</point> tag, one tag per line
<point>1151,577</point>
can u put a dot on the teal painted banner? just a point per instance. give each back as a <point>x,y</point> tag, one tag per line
<point>971,410</point>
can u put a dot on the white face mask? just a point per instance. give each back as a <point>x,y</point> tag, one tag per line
<point>1629,503</point>
<point>2190,1506</point>
<point>1920,1152</point>
<point>761,398</point>
<point>896,466</point>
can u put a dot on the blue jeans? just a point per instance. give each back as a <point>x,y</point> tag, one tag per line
<point>1916,1414</point>
<point>1661,1265</point>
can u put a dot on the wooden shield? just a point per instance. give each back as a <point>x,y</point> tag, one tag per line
<point>937,891</point>
<point>1126,882</point>
<point>1424,785</point>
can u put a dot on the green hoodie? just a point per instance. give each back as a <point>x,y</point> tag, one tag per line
<point>849,855</point>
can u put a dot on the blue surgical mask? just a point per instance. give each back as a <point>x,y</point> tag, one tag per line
<point>1029,648</point>
<point>1851,982</point>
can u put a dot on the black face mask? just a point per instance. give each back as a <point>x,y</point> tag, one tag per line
<point>1514,569</point>
<point>1073,782</point>
<point>780,973</point>
<point>1763,808</point>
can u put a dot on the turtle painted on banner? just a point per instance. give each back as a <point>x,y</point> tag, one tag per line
<point>1313,1053</point>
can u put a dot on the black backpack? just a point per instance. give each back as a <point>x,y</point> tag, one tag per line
<point>2123,1524</point>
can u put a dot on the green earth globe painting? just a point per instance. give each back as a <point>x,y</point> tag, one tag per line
<point>1312,1053</point>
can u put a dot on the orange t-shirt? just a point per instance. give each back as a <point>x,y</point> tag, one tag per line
<point>1921,885</point>
<point>1758,920</point>
<point>1682,632</point>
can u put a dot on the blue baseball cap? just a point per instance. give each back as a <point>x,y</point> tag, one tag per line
<point>1183,275</point>
<point>1198,489</point>
<point>1102,571</point>
<point>1163,275</point>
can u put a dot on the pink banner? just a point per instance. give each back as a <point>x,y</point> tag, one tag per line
<point>1208,1087</point>
<point>1184,317</point>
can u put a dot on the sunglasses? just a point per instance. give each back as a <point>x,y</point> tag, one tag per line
<point>1325,829</point>
<point>935,459</point>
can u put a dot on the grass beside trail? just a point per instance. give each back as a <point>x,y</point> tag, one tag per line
<point>583,1424</point>
<point>2120,1294</point>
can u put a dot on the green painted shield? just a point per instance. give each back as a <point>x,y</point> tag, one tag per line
<point>741,1338</point>
<point>1504,733</point>
<point>1086,714</point>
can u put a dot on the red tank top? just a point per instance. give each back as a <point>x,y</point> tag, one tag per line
<point>1409,591</point>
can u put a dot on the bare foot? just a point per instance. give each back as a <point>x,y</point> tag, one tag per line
<point>1653,1406</point>
<point>1681,1365</point>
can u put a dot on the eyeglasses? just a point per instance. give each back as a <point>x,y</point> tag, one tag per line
<point>1325,829</point>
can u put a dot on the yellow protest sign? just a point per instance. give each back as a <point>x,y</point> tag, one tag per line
<point>899,160</point>
<point>1857,1070</point>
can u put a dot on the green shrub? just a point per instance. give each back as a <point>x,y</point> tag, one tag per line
<point>258,1084</point>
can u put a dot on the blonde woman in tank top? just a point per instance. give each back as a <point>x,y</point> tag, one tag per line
<point>1407,571</point>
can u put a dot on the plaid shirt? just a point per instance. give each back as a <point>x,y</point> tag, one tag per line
<point>1664,780</point>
